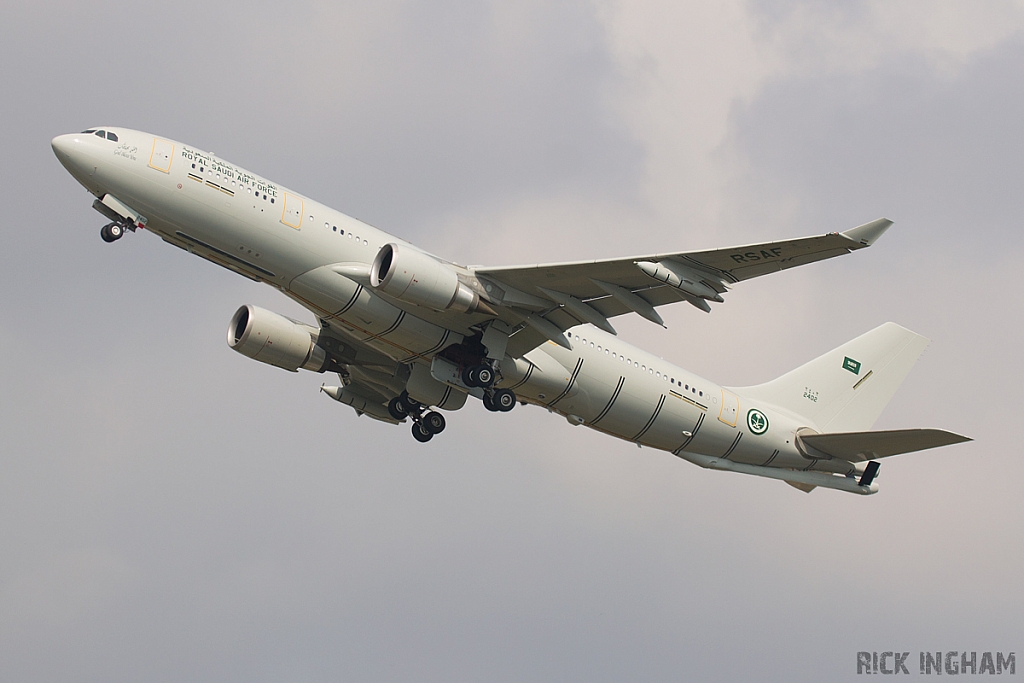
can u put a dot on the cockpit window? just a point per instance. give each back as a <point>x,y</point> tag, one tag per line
<point>86,132</point>
<point>111,136</point>
<point>99,133</point>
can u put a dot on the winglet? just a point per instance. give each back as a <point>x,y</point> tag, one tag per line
<point>866,234</point>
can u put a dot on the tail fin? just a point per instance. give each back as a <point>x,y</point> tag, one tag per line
<point>846,389</point>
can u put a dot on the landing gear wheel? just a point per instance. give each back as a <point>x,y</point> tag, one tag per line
<point>433,422</point>
<point>504,400</point>
<point>111,232</point>
<point>411,405</point>
<point>396,408</point>
<point>421,434</point>
<point>484,376</point>
<point>478,376</point>
<point>489,403</point>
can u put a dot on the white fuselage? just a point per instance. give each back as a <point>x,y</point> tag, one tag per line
<point>321,257</point>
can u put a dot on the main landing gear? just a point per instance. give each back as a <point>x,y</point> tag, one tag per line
<point>500,400</point>
<point>495,400</point>
<point>424,424</point>
<point>111,232</point>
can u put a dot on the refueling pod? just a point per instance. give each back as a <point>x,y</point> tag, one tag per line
<point>275,340</point>
<point>410,275</point>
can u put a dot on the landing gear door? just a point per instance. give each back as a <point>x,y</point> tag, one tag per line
<point>161,156</point>
<point>730,408</point>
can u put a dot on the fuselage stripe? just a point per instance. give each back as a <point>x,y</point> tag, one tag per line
<point>572,380</point>
<point>398,321</point>
<point>439,345</point>
<point>611,401</point>
<point>774,455</point>
<point>650,422</point>
<point>347,325</point>
<point>351,302</point>
<point>526,378</point>
<point>735,442</point>
<point>693,434</point>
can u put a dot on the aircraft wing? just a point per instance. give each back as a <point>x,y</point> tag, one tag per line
<point>553,297</point>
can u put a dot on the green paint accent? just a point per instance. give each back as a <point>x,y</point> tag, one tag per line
<point>757,422</point>
<point>851,365</point>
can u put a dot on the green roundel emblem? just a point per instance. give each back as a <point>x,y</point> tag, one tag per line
<point>757,422</point>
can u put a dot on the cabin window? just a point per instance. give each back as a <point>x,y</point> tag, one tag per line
<point>271,200</point>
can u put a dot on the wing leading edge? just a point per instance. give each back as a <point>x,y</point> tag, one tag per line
<point>562,295</point>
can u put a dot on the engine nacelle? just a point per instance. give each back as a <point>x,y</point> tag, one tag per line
<point>275,340</point>
<point>410,275</point>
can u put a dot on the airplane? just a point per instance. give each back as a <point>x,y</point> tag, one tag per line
<point>410,334</point>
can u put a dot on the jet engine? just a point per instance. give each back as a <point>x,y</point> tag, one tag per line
<point>410,275</point>
<point>275,340</point>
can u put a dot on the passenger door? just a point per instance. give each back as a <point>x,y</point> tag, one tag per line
<point>162,155</point>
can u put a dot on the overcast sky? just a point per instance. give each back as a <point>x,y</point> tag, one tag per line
<point>171,510</point>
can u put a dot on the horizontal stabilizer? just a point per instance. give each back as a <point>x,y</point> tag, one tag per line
<point>861,446</point>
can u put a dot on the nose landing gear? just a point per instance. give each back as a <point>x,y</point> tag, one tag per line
<point>111,232</point>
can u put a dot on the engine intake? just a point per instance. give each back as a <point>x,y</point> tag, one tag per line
<point>275,340</point>
<point>410,275</point>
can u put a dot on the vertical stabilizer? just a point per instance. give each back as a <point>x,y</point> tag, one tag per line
<point>846,389</point>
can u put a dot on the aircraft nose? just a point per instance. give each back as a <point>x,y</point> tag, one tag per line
<point>62,146</point>
<point>71,150</point>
